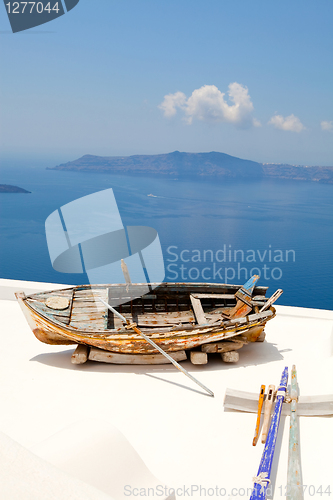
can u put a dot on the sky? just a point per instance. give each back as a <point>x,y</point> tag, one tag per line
<point>253,79</point>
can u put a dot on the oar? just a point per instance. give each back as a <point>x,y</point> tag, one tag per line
<point>150,341</point>
<point>124,269</point>
<point>272,299</point>
<point>294,475</point>
<point>260,403</point>
<point>267,412</point>
<point>262,480</point>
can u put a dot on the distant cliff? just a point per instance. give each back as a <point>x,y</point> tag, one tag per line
<point>6,188</point>
<point>298,172</point>
<point>212,164</point>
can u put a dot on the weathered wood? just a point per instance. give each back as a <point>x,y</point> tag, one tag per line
<point>254,334</point>
<point>261,337</point>
<point>294,473</point>
<point>260,403</point>
<point>89,322</point>
<point>91,293</point>
<point>243,299</point>
<point>62,316</point>
<point>155,319</point>
<point>66,292</point>
<point>259,298</point>
<point>262,480</point>
<point>89,316</point>
<point>230,357</point>
<point>168,319</point>
<point>198,358</point>
<point>57,302</point>
<point>213,295</point>
<point>86,307</point>
<point>198,310</point>
<point>272,299</point>
<point>59,315</point>
<point>206,287</point>
<point>221,346</point>
<point>307,405</point>
<point>267,412</point>
<point>251,317</point>
<point>124,269</point>
<point>80,355</point>
<point>43,309</point>
<point>134,327</point>
<point>133,359</point>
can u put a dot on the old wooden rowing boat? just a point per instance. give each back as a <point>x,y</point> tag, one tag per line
<point>177,316</point>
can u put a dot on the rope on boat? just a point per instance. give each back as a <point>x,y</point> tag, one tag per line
<point>130,326</point>
<point>261,479</point>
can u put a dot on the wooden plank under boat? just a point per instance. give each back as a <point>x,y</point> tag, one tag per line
<point>177,316</point>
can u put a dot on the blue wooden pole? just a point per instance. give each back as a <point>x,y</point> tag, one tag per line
<point>262,480</point>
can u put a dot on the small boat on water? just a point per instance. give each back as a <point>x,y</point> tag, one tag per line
<point>176,316</point>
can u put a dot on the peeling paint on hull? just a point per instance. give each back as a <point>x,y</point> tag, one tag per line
<point>49,329</point>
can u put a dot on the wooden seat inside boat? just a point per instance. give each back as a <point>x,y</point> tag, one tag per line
<point>88,312</point>
<point>56,306</point>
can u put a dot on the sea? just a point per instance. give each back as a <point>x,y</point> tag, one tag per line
<point>211,230</point>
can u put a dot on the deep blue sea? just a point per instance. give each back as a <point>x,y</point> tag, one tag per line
<point>209,230</point>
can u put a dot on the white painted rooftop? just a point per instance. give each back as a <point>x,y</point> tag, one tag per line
<point>71,416</point>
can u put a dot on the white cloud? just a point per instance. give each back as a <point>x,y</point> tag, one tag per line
<point>256,123</point>
<point>327,126</point>
<point>172,102</point>
<point>208,104</point>
<point>291,123</point>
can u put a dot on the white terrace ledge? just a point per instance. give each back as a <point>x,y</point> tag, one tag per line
<point>184,437</point>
